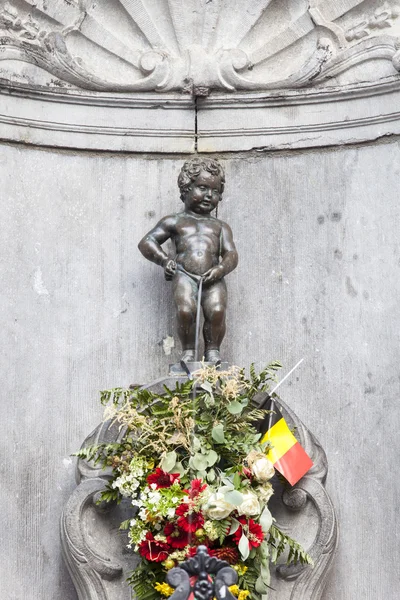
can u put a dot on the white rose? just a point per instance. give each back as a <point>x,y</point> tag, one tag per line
<point>265,492</point>
<point>263,469</point>
<point>250,505</point>
<point>216,507</point>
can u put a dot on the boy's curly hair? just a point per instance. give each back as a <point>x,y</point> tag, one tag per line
<point>192,169</point>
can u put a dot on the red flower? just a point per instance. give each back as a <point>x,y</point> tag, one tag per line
<point>228,553</point>
<point>196,488</point>
<point>247,473</point>
<point>176,537</point>
<point>162,479</point>
<point>192,551</point>
<point>252,530</point>
<point>152,549</point>
<point>189,520</point>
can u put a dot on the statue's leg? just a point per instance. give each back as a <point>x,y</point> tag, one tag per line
<point>214,302</point>
<point>185,295</point>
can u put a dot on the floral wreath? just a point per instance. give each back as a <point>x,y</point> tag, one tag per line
<point>193,465</point>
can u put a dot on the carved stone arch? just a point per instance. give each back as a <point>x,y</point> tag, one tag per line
<point>286,73</point>
<point>99,570</point>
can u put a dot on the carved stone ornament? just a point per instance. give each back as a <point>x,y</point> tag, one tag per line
<point>197,45</point>
<point>98,560</point>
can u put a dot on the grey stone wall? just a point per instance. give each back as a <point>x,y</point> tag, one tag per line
<point>317,233</point>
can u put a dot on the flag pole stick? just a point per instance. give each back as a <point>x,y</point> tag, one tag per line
<point>269,394</point>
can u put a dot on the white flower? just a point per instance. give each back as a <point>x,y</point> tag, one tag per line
<point>265,492</point>
<point>171,513</point>
<point>143,514</point>
<point>250,505</point>
<point>217,508</point>
<point>263,469</point>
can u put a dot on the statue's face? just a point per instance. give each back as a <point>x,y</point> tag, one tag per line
<point>204,193</point>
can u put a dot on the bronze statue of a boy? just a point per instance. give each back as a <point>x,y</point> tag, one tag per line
<point>205,252</point>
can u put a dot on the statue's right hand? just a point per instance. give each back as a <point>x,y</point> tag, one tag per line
<point>169,269</point>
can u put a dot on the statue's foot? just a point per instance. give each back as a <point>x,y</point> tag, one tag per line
<point>187,356</point>
<point>212,356</point>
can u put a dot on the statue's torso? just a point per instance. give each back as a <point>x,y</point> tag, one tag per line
<point>197,242</point>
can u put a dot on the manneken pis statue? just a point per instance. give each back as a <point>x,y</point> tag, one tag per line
<point>205,252</point>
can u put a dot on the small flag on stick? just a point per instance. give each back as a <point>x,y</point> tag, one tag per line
<point>286,454</point>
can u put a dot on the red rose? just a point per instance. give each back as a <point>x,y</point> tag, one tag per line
<point>252,530</point>
<point>176,537</point>
<point>152,549</point>
<point>162,479</point>
<point>189,520</point>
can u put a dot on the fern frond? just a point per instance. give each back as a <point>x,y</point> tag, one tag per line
<point>279,541</point>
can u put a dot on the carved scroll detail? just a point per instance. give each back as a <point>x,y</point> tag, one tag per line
<point>164,47</point>
<point>89,568</point>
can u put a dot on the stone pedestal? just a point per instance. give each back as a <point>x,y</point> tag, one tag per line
<point>96,551</point>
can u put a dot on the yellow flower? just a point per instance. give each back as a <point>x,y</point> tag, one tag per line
<point>234,589</point>
<point>164,589</point>
<point>240,569</point>
<point>243,594</point>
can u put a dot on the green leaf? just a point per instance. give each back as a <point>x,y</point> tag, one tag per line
<point>244,547</point>
<point>222,529</point>
<point>211,476</point>
<point>266,520</point>
<point>235,408</point>
<point>196,444</point>
<point>237,480</point>
<point>234,497</point>
<point>169,461</point>
<point>217,433</point>
<point>125,524</point>
<point>199,462</point>
<point>206,385</point>
<point>234,527</point>
<point>211,457</point>
<point>178,468</point>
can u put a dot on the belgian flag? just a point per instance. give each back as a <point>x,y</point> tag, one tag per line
<point>286,454</point>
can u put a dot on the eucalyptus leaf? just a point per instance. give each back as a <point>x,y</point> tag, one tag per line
<point>211,476</point>
<point>169,461</point>
<point>206,385</point>
<point>234,497</point>
<point>266,520</point>
<point>244,547</point>
<point>199,462</point>
<point>217,433</point>
<point>211,457</point>
<point>178,468</point>
<point>227,481</point>
<point>196,444</point>
<point>235,408</point>
<point>234,526</point>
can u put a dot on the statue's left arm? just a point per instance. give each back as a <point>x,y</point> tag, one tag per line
<point>228,254</point>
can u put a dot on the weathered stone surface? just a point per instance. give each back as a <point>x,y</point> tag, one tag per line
<point>134,123</point>
<point>95,559</point>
